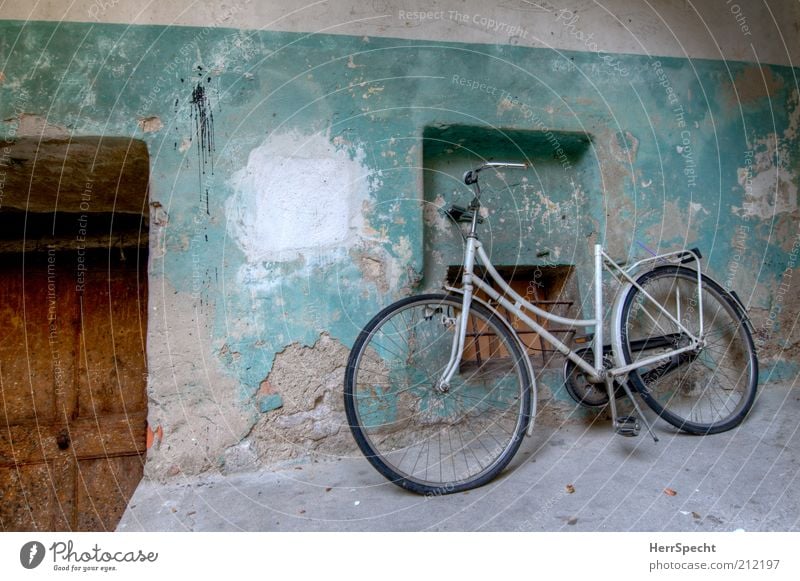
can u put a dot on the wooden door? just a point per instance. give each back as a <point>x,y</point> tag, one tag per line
<point>72,388</point>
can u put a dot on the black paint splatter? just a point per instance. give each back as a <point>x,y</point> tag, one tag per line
<point>203,119</point>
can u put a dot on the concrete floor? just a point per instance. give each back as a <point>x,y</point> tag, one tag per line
<point>743,479</point>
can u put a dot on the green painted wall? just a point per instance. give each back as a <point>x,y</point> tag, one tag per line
<point>673,152</point>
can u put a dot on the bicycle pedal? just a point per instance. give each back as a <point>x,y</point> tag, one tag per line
<point>627,426</point>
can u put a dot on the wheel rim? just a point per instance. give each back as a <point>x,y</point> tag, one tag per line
<point>704,389</point>
<point>416,431</point>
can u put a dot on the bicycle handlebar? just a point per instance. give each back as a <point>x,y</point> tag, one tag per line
<point>471,176</point>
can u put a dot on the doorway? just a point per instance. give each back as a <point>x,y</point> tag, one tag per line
<point>73,326</point>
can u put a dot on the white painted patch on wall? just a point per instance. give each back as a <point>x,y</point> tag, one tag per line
<point>298,195</point>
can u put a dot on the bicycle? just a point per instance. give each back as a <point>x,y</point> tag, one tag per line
<point>435,415</point>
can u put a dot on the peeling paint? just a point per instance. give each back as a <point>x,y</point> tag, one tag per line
<point>189,394</point>
<point>625,147</point>
<point>773,192</point>
<point>770,187</point>
<point>312,419</point>
<point>754,83</point>
<point>374,270</point>
<point>695,209</point>
<point>28,124</point>
<point>373,90</point>
<point>434,216</point>
<point>150,124</point>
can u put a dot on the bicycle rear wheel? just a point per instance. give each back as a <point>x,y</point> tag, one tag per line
<point>423,439</point>
<point>704,391</point>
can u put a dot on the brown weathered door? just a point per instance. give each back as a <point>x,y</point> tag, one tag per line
<point>72,388</point>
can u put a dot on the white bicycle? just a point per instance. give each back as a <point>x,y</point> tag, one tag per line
<point>439,389</point>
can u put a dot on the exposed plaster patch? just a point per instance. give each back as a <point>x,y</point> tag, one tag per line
<point>159,214</point>
<point>189,395</point>
<point>505,104</point>
<point>673,225</point>
<point>263,277</point>
<point>159,219</point>
<point>36,125</point>
<point>298,193</point>
<point>774,192</point>
<point>550,208</point>
<point>695,208</point>
<point>403,250</point>
<point>312,419</point>
<point>399,264</point>
<point>433,216</point>
<point>772,189</point>
<point>239,458</point>
<point>785,229</point>
<point>372,91</point>
<point>624,147</point>
<point>150,124</point>
<point>615,168</point>
<point>539,206</point>
<point>385,268</point>
<point>374,270</point>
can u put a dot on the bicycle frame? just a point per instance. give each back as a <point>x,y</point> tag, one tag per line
<point>440,389</point>
<point>516,304</point>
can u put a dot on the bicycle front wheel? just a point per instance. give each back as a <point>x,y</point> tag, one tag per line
<point>418,436</point>
<point>703,391</point>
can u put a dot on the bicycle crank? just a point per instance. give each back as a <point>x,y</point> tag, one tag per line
<point>580,387</point>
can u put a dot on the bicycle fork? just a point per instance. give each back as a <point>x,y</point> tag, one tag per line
<point>459,340</point>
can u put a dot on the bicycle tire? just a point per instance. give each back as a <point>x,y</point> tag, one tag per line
<point>395,410</point>
<point>706,391</point>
